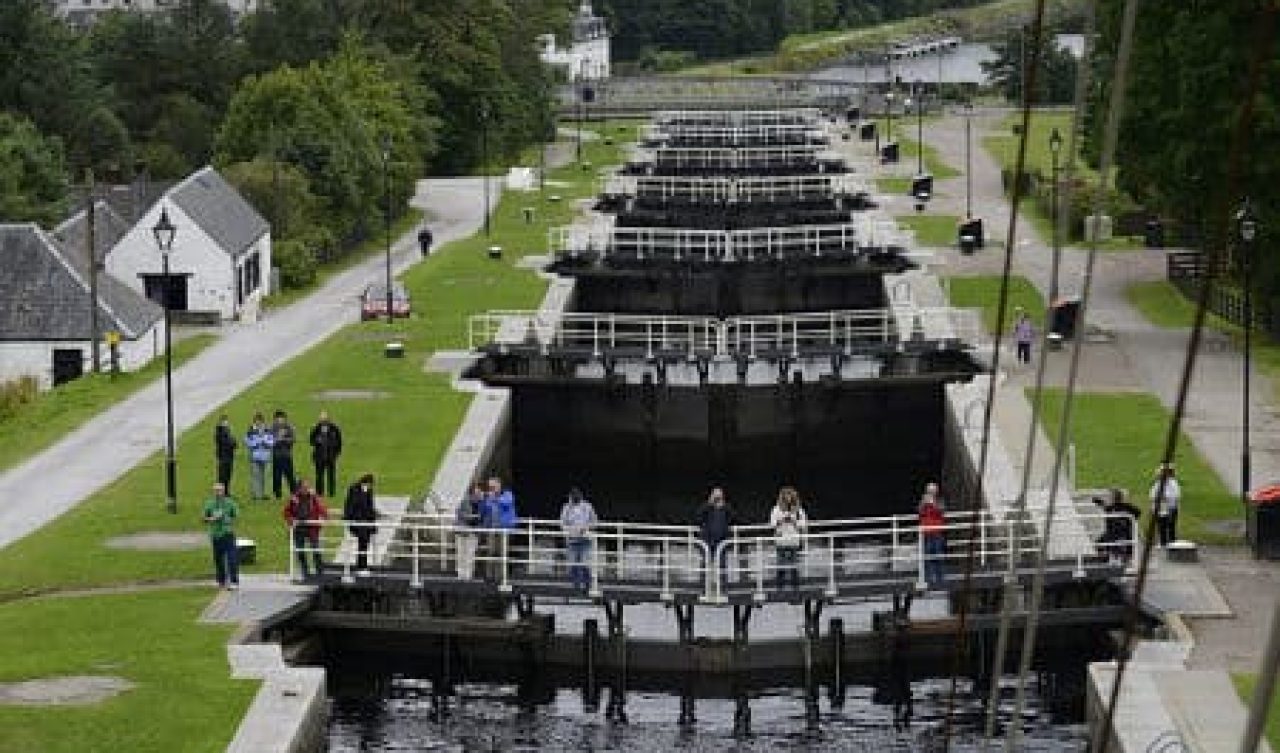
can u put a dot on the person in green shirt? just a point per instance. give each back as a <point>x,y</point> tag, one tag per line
<point>220,516</point>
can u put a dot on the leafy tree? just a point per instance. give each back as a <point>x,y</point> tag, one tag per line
<point>33,181</point>
<point>1055,79</point>
<point>279,191</point>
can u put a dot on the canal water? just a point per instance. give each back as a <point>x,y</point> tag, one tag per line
<point>383,713</point>
<point>960,65</point>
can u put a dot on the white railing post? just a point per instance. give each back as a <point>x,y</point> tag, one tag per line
<point>759,594</point>
<point>921,582</point>
<point>293,552</point>
<point>415,574</point>
<point>1013,562</point>
<point>982,537</point>
<point>666,569</point>
<point>447,534</point>
<point>832,589</point>
<point>529,552</point>
<point>595,566</point>
<point>505,562</point>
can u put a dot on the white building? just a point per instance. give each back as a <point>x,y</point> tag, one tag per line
<point>587,57</point>
<point>221,258</point>
<point>46,323</point>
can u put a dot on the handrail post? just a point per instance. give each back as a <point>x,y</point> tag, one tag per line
<point>505,561</point>
<point>529,551</point>
<point>415,576</point>
<point>293,552</point>
<point>982,538</point>
<point>595,566</point>
<point>921,582</point>
<point>446,535</point>
<point>832,589</point>
<point>666,569</point>
<point>759,594</point>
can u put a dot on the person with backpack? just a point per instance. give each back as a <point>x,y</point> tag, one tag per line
<point>361,514</point>
<point>577,518</point>
<point>258,441</point>
<point>469,516</point>
<point>304,513</point>
<point>224,450</point>
<point>326,446</point>
<point>789,523</point>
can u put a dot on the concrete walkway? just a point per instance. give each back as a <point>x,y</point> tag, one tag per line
<point>108,446</point>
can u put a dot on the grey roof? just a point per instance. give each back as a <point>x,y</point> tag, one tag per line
<point>219,210</point>
<point>44,294</point>
<point>109,228</point>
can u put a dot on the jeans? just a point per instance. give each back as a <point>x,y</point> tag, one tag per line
<point>226,559</point>
<point>282,470</point>
<point>1167,526</point>
<point>579,551</point>
<point>326,477</point>
<point>306,541</point>
<point>788,566</point>
<point>1024,353</point>
<point>935,546</point>
<point>258,479</point>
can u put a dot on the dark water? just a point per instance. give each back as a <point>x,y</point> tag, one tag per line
<point>401,716</point>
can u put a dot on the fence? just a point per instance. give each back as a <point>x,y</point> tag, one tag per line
<point>1188,271</point>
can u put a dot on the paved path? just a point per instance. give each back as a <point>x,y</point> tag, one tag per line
<point>105,448</point>
<point>1140,357</point>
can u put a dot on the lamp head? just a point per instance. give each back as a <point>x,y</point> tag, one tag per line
<point>164,231</point>
<point>1247,222</point>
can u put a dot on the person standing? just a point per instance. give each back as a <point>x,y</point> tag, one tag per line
<point>789,523</point>
<point>220,518</point>
<point>932,524</point>
<point>224,449</point>
<point>1024,333</point>
<point>326,446</point>
<point>282,439</point>
<point>577,518</point>
<point>1166,494</point>
<point>258,440</point>
<point>715,522</point>
<point>470,515</point>
<point>361,513</point>
<point>500,515</point>
<point>304,513</point>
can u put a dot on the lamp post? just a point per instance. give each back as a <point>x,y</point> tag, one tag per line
<point>484,165</point>
<point>968,159</point>
<point>386,216</point>
<point>888,114</point>
<point>1247,227</point>
<point>1055,147</point>
<point>164,232</point>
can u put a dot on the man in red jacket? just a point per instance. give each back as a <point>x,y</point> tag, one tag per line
<point>932,532</point>
<point>304,514</point>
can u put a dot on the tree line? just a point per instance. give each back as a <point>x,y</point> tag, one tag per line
<point>299,102</point>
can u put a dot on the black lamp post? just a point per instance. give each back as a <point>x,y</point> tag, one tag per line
<point>888,114</point>
<point>1055,148</point>
<point>1247,226</point>
<point>968,160</point>
<point>386,216</point>
<point>164,232</point>
<point>919,128</point>
<point>484,165</point>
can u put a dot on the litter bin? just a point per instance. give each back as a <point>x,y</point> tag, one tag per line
<point>1262,522</point>
<point>922,187</point>
<point>853,114</point>
<point>973,229</point>
<point>1153,234</point>
<point>1063,317</point>
<point>889,153</point>
<point>867,131</point>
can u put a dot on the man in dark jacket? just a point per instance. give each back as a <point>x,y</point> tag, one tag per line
<point>224,449</point>
<point>283,437</point>
<point>326,446</point>
<point>360,513</point>
<point>715,523</point>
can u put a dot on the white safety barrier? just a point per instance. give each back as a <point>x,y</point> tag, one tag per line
<point>727,246</point>
<point>722,189</point>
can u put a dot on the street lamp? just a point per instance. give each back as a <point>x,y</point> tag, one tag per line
<point>164,232</point>
<point>888,114</point>
<point>484,164</point>
<point>386,215</point>
<point>968,160</point>
<point>1055,147</point>
<point>1247,227</point>
<point>919,127</point>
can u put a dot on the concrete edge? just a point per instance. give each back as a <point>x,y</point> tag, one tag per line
<point>288,715</point>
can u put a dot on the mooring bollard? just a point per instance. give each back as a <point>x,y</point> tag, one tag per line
<point>837,662</point>
<point>590,690</point>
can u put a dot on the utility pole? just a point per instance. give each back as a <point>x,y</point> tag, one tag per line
<point>91,236</point>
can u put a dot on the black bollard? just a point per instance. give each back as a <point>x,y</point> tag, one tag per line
<point>590,690</point>
<point>741,715</point>
<point>837,662</point>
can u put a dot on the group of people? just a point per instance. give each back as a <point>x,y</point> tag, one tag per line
<point>272,445</point>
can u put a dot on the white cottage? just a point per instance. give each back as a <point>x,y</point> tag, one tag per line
<point>587,56</point>
<point>221,259</point>
<point>46,328</point>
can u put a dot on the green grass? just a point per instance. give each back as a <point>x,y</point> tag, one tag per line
<point>400,438</point>
<point>1119,440</point>
<point>374,245</point>
<point>185,699</point>
<point>984,292</point>
<point>931,229</point>
<point>892,185</point>
<point>58,412</point>
<point>1003,146</point>
<point>1244,686</point>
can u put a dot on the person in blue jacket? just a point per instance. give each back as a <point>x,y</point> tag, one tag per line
<point>499,515</point>
<point>258,441</point>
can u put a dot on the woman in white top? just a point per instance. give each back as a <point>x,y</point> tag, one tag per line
<point>1164,504</point>
<point>789,523</point>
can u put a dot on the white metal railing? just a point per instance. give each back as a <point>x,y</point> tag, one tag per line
<point>733,157</point>
<point>736,118</point>
<point>729,189</point>
<point>695,336</point>
<point>661,561</point>
<point>731,133</point>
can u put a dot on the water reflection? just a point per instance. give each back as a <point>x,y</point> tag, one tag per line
<point>408,714</point>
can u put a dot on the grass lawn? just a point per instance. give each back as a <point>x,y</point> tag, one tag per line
<point>1244,685</point>
<point>376,244</point>
<point>892,185</point>
<point>400,437</point>
<point>1119,439</point>
<point>185,699</point>
<point>931,229</point>
<point>984,292</point>
<point>58,412</point>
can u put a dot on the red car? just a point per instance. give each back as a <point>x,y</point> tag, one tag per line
<point>373,303</point>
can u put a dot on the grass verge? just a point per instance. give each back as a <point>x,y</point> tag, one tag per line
<point>184,697</point>
<point>983,292</point>
<point>1119,439</point>
<point>58,412</point>
<point>1244,686</point>
<point>891,185</point>
<point>931,229</point>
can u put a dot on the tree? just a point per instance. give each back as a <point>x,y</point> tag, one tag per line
<point>33,183</point>
<point>1055,78</point>
<point>279,191</point>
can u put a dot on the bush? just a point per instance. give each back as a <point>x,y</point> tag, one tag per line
<point>15,394</point>
<point>296,262</point>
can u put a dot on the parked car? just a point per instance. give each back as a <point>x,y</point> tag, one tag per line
<point>373,303</point>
